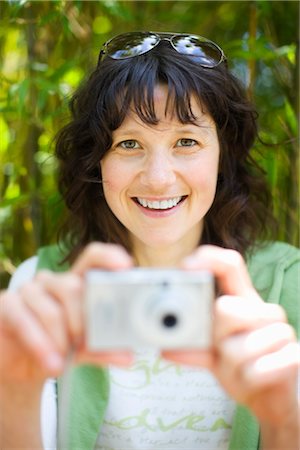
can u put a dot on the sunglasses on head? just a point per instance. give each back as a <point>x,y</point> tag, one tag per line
<point>128,45</point>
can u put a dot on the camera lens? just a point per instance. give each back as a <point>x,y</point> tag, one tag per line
<point>169,320</point>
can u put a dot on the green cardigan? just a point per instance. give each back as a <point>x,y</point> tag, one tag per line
<point>274,270</point>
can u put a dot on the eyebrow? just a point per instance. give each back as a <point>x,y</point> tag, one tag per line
<point>180,129</point>
<point>201,126</point>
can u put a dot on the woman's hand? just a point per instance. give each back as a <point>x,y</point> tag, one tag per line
<point>39,325</point>
<point>41,322</point>
<point>254,354</point>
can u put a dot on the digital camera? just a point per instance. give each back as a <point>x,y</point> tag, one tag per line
<point>160,308</point>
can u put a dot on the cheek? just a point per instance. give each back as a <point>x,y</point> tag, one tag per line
<point>109,182</point>
<point>114,178</point>
<point>205,174</point>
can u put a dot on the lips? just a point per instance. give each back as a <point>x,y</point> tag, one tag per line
<point>159,204</point>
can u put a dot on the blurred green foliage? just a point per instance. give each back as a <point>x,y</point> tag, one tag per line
<point>48,47</point>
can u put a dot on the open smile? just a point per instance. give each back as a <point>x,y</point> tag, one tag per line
<point>159,204</point>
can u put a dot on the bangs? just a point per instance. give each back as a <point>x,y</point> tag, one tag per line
<point>142,101</point>
<point>132,88</point>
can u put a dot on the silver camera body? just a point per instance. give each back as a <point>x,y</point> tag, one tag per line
<point>156,308</point>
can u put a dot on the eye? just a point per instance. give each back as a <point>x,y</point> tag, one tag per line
<point>186,142</point>
<point>129,144</point>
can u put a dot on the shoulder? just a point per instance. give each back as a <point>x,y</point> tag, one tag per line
<point>52,257</point>
<point>49,257</point>
<point>274,269</point>
<point>275,253</point>
<point>271,262</point>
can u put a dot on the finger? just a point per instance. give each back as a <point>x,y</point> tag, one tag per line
<point>197,358</point>
<point>228,267</point>
<point>102,256</point>
<point>67,290</point>
<point>48,312</point>
<point>233,314</point>
<point>245,348</point>
<point>22,325</point>
<point>121,358</point>
<point>274,367</point>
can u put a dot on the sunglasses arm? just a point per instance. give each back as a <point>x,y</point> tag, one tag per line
<point>101,54</point>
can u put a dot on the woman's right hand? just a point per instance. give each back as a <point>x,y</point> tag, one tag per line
<point>44,320</point>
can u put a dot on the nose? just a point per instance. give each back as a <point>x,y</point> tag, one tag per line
<point>158,171</point>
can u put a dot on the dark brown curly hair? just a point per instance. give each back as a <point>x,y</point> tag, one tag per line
<point>240,215</point>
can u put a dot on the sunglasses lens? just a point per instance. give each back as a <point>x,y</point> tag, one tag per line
<point>131,44</point>
<point>206,52</point>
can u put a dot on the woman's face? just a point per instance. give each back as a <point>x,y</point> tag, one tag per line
<point>160,180</point>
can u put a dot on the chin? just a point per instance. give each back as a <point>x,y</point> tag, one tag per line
<point>159,242</point>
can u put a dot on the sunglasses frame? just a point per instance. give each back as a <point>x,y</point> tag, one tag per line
<point>163,36</point>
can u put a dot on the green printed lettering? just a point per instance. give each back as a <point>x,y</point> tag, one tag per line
<point>160,366</point>
<point>146,379</point>
<point>131,422</point>
<point>167,427</point>
<point>220,424</point>
<point>192,421</point>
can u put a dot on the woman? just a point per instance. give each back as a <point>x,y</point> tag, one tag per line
<point>156,171</point>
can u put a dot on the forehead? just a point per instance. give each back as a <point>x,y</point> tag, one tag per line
<point>164,105</point>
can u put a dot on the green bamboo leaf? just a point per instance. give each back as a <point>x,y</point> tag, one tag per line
<point>291,117</point>
<point>4,135</point>
<point>22,92</point>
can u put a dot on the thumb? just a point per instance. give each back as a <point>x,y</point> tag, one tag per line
<point>228,267</point>
<point>99,255</point>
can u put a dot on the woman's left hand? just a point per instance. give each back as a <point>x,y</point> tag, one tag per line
<point>254,355</point>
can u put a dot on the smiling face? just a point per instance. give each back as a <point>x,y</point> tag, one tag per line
<point>160,181</point>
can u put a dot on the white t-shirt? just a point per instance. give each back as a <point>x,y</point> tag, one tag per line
<point>155,404</point>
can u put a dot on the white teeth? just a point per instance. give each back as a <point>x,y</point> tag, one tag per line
<point>156,204</point>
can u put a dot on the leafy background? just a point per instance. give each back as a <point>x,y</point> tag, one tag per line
<point>48,47</point>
